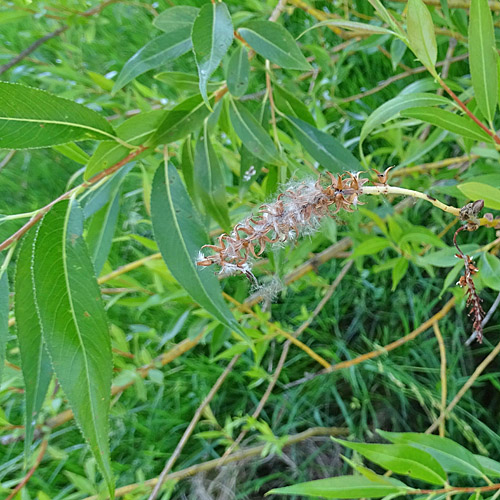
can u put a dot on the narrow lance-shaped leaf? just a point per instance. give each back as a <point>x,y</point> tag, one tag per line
<point>252,134</point>
<point>212,36</point>
<point>74,325</point>
<point>238,70</point>
<point>483,59</point>
<point>33,118</point>
<point>4,317</point>
<point>188,82</point>
<point>35,363</point>
<point>154,54</point>
<point>324,148</point>
<point>209,182</point>
<point>421,37</point>
<point>180,235</point>
<point>174,18</point>
<point>273,42</point>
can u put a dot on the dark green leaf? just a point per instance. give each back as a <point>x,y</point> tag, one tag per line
<point>212,36</point>
<point>74,325</point>
<point>154,54</point>
<point>178,17</point>
<point>35,363</point>
<point>4,317</point>
<point>289,104</point>
<point>238,70</point>
<point>324,148</point>
<point>209,182</point>
<point>402,459</point>
<point>421,35</point>
<point>52,121</point>
<point>136,131</point>
<point>489,266</point>
<point>187,168</point>
<point>479,191</point>
<point>483,59</point>
<point>460,125</point>
<point>344,487</point>
<point>251,133</point>
<point>185,118</point>
<point>273,42</point>
<point>180,235</point>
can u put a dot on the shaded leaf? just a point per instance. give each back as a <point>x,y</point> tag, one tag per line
<point>289,104</point>
<point>344,487</point>
<point>324,148</point>
<point>238,70</point>
<point>273,42</point>
<point>185,81</point>
<point>4,317</point>
<point>73,152</point>
<point>421,37</point>
<point>460,125</point>
<point>212,36</point>
<point>480,191</point>
<point>252,134</point>
<point>136,131</point>
<point>180,121</point>
<point>35,363</point>
<point>446,257</point>
<point>52,121</point>
<point>180,235</point>
<point>483,59</point>
<point>177,17</point>
<point>157,52</point>
<point>74,325</point>
<point>489,266</point>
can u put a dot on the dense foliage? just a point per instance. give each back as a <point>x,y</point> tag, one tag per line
<point>232,230</point>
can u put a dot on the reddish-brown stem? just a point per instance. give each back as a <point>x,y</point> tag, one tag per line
<point>22,484</point>
<point>468,112</point>
<point>67,195</point>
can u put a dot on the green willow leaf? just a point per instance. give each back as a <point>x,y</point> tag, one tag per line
<point>208,179</point>
<point>489,266</point>
<point>52,121</point>
<point>187,169</point>
<point>445,257</point>
<point>154,54</point>
<point>345,487</point>
<point>252,134</point>
<point>35,363</point>
<point>401,459</point>
<point>180,121</point>
<point>421,36</point>
<point>4,318</point>
<point>460,125</point>
<point>323,147</point>
<point>238,70</point>
<point>136,131</point>
<point>185,81</point>
<point>479,191</point>
<point>352,26</point>
<point>74,325</point>
<point>174,18</point>
<point>180,235</point>
<point>212,36</point>
<point>273,42</point>
<point>371,246</point>
<point>453,457</point>
<point>483,59</point>
<point>291,105</point>
<point>491,467</point>
<point>73,152</point>
<point>398,271</point>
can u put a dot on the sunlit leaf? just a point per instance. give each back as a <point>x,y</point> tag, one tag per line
<point>489,266</point>
<point>421,35</point>
<point>371,246</point>
<point>479,191</point>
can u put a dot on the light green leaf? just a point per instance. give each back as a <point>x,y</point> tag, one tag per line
<point>208,179</point>
<point>180,121</point>
<point>35,363</point>
<point>387,17</point>
<point>483,59</point>
<point>421,37</point>
<point>4,318</point>
<point>185,81</point>
<point>251,133</point>
<point>52,121</point>
<point>364,28</point>
<point>174,18</point>
<point>401,459</point>
<point>212,36</point>
<point>136,131</point>
<point>154,54</point>
<point>74,325</point>
<point>398,271</point>
<point>273,42</point>
<point>489,267</point>
<point>323,147</point>
<point>460,125</point>
<point>238,70</point>
<point>453,457</point>
<point>421,235</point>
<point>446,257</point>
<point>73,152</point>
<point>491,467</point>
<point>371,246</point>
<point>180,235</point>
<point>343,487</point>
<point>479,191</point>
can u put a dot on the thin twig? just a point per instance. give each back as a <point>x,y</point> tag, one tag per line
<point>286,347</point>
<point>187,433</point>
<point>442,354</point>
